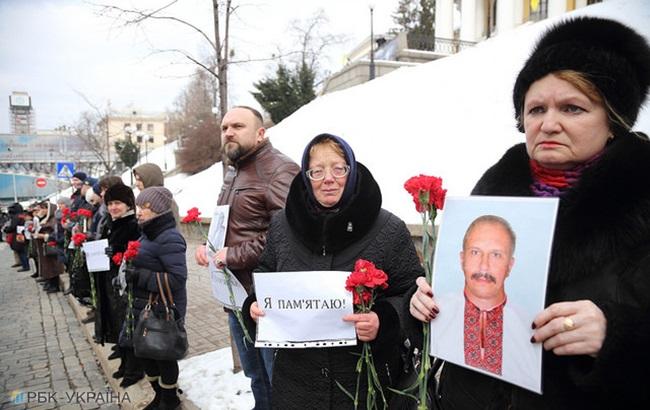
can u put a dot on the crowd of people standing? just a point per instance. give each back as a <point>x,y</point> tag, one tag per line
<point>575,99</point>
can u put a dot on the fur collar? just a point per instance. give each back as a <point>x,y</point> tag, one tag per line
<point>329,232</point>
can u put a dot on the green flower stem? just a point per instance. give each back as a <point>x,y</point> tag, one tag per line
<point>231,294</point>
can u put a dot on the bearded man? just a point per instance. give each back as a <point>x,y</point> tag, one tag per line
<point>256,183</point>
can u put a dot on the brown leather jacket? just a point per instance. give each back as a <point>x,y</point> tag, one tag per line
<point>255,187</point>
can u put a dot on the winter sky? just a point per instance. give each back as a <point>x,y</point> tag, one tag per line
<point>54,49</point>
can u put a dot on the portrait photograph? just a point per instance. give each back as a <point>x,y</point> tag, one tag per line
<point>489,280</point>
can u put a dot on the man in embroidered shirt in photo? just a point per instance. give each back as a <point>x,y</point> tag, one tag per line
<point>493,336</point>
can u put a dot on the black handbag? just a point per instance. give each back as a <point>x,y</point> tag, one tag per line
<point>159,334</point>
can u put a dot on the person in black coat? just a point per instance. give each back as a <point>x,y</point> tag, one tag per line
<point>121,228</point>
<point>15,239</point>
<point>162,250</point>
<point>333,217</point>
<point>576,98</point>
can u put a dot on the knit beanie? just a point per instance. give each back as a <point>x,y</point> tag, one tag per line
<point>122,193</point>
<point>97,189</point>
<point>614,57</point>
<point>90,181</point>
<point>157,198</point>
<point>348,154</point>
<point>65,201</point>
<point>80,175</point>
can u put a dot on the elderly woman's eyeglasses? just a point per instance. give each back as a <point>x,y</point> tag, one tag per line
<point>318,173</point>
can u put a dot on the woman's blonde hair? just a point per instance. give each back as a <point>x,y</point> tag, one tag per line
<point>327,143</point>
<point>588,88</point>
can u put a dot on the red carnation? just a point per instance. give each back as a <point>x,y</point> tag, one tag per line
<point>85,212</point>
<point>193,215</point>
<point>78,239</point>
<point>426,191</point>
<point>73,215</point>
<point>132,249</point>
<point>117,258</point>
<point>65,212</point>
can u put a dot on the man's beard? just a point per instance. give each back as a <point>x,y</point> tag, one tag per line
<point>484,275</point>
<point>233,151</point>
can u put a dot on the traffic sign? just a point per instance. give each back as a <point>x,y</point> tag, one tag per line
<point>64,170</point>
<point>40,182</point>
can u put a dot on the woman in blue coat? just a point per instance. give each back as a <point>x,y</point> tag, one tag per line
<point>162,249</point>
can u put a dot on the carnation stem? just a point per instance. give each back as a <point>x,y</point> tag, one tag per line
<point>231,294</point>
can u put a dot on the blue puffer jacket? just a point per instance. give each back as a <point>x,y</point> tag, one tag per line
<point>162,249</point>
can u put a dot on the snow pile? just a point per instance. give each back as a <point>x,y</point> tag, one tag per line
<point>208,381</point>
<point>451,118</point>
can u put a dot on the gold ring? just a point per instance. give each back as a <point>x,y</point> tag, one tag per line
<point>568,324</point>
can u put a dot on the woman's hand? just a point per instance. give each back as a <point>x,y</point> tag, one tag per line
<point>256,312</point>
<point>422,306</point>
<point>571,328</point>
<point>366,325</point>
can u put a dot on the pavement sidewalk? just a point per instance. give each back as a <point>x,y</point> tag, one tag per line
<point>46,350</point>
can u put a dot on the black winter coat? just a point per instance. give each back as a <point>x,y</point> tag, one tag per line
<point>110,311</point>
<point>15,212</point>
<point>162,249</point>
<point>300,239</point>
<point>601,252</point>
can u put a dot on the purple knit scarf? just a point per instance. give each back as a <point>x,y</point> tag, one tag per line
<point>555,182</point>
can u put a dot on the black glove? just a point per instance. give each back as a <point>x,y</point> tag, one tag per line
<point>108,251</point>
<point>116,283</point>
<point>131,274</point>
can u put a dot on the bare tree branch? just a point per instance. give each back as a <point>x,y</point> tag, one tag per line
<point>140,16</point>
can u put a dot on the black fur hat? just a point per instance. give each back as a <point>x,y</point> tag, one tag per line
<point>614,57</point>
<point>122,193</point>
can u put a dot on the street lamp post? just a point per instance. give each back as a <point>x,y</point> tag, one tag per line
<point>372,46</point>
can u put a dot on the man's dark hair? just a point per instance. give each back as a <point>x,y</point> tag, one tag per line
<point>253,110</point>
<point>492,219</point>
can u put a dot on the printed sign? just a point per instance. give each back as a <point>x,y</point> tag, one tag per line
<point>96,258</point>
<point>303,309</point>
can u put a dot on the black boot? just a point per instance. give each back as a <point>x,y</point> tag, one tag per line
<point>133,371</point>
<point>53,285</point>
<point>120,370</point>
<point>34,275</point>
<point>169,399</point>
<point>156,399</point>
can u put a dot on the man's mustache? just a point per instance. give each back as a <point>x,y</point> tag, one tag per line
<point>484,275</point>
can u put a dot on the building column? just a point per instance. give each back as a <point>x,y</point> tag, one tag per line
<point>556,8</point>
<point>445,19</point>
<point>505,15</point>
<point>468,28</point>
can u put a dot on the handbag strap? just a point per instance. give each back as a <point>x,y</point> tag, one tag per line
<point>168,289</point>
<point>160,290</point>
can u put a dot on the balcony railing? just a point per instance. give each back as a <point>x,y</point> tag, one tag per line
<point>426,42</point>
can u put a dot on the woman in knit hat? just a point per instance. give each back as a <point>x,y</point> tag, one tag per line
<point>120,228</point>
<point>576,99</point>
<point>162,250</point>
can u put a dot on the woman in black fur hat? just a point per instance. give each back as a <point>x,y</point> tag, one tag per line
<point>576,98</point>
<point>333,217</point>
<point>120,228</point>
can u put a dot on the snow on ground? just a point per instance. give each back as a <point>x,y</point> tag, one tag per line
<point>208,381</point>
